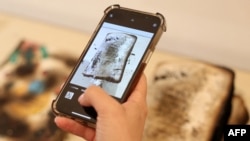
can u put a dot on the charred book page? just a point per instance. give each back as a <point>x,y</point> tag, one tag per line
<point>111,58</point>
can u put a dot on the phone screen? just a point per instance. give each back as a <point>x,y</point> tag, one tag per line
<point>111,58</point>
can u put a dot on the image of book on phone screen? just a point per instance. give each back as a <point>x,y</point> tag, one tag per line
<point>113,59</point>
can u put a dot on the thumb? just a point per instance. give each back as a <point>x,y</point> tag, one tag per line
<point>96,97</point>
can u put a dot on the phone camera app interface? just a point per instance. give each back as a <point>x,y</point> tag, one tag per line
<point>112,58</point>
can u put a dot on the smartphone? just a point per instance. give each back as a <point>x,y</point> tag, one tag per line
<point>113,59</point>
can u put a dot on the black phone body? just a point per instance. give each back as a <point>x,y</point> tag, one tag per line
<point>113,59</point>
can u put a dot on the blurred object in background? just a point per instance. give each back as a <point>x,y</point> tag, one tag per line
<point>29,79</point>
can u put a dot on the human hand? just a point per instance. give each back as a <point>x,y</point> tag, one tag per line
<point>115,121</point>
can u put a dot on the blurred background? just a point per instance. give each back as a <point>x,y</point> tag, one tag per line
<point>216,30</point>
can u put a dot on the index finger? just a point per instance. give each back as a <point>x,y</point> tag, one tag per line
<point>140,91</point>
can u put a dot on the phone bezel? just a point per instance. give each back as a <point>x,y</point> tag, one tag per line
<point>161,28</point>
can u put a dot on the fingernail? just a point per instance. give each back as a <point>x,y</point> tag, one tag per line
<point>80,99</point>
<point>56,119</point>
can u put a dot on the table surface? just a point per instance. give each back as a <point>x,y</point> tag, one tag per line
<point>13,29</point>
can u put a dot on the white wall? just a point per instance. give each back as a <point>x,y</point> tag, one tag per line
<point>213,30</point>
